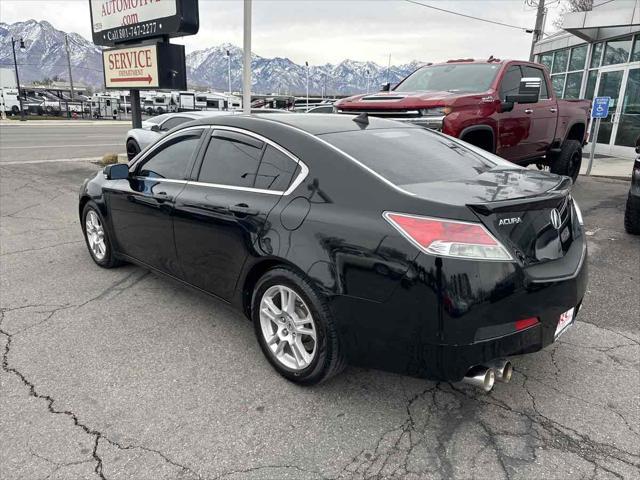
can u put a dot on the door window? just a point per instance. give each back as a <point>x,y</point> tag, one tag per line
<point>276,170</point>
<point>231,159</point>
<point>610,83</point>
<point>629,126</point>
<point>172,158</point>
<point>537,73</point>
<point>510,82</point>
<point>174,122</point>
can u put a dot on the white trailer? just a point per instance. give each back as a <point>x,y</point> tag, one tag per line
<point>9,101</point>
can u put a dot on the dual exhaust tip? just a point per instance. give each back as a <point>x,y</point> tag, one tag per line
<point>485,376</point>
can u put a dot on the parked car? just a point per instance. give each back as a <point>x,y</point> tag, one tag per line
<point>632,209</point>
<point>478,102</point>
<point>153,128</point>
<point>439,264</point>
<point>328,108</point>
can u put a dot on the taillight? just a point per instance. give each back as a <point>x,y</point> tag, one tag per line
<point>526,323</point>
<point>449,238</point>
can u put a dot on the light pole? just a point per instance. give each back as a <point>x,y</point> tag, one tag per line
<point>246,60</point>
<point>15,64</point>
<point>307,65</point>
<point>229,69</point>
<point>66,44</point>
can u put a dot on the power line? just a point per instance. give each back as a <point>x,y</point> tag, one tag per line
<point>528,30</point>
<point>54,65</point>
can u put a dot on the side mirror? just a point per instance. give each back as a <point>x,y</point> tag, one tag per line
<point>529,91</point>
<point>117,171</point>
<point>385,87</point>
<point>155,127</point>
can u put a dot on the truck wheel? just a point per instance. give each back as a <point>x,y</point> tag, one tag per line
<point>15,110</point>
<point>632,215</point>
<point>568,161</point>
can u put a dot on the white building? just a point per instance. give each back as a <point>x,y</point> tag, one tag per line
<point>597,53</point>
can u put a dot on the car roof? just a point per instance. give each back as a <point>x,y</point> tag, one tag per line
<point>315,124</point>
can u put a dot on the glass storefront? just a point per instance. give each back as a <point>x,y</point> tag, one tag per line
<point>608,68</point>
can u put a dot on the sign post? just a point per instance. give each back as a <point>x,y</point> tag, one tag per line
<point>599,110</point>
<point>139,32</point>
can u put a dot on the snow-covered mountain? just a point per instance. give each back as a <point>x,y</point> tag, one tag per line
<point>45,56</point>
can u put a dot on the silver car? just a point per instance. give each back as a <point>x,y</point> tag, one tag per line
<point>153,128</point>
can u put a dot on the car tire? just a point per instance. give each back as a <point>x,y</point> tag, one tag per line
<point>133,149</point>
<point>632,215</point>
<point>324,355</point>
<point>95,232</point>
<point>568,161</point>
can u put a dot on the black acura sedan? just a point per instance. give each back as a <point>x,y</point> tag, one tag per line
<point>351,241</point>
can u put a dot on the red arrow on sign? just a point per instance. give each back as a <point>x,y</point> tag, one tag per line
<point>133,79</point>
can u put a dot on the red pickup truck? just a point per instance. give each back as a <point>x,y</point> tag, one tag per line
<point>481,102</point>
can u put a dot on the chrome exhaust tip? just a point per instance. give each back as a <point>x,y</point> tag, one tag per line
<point>503,369</point>
<point>481,377</point>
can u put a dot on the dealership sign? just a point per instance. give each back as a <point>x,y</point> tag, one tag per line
<point>122,21</point>
<point>157,65</point>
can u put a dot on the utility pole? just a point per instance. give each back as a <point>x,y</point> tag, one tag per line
<point>246,68</point>
<point>229,69</point>
<point>15,64</point>
<point>66,45</point>
<point>537,31</point>
<point>367,80</point>
<point>307,65</point>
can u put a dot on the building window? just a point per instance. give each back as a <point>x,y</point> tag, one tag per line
<point>578,57</point>
<point>591,84</point>
<point>573,84</point>
<point>617,51</point>
<point>635,53</point>
<point>596,55</point>
<point>560,59</point>
<point>557,82</point>
<point>546,59</point>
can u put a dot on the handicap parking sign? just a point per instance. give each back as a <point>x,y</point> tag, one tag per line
<point>600,107</point>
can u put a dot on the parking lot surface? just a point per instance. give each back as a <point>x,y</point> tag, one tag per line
<point>122,374</point>
<point>38,140</point>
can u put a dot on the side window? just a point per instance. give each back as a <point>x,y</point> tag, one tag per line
<point>276,170</point>
<point>231,159</point>
<point>173,122</point>
<point>171,159</point>
<point>537,73</point>
<point>510,82</point>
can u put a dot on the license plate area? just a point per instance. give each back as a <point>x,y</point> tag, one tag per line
<point>564,322</point>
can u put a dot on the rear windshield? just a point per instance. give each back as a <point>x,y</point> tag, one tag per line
<point>455,77</point>
<point>406,156</point>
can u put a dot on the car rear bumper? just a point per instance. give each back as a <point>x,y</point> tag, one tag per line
<point>439,325</point>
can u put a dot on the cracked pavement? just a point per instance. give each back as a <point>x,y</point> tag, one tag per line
<point>120,374</point>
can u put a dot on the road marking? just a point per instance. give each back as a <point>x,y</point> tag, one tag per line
<point>63,146</point>
<point>56,160</point>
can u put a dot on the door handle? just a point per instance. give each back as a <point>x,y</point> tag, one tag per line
<point>528,111</point>
<point>242,210</point>
<point>553,110</point>
<point>162,197</point>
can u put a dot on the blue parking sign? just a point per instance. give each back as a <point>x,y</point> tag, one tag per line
<point>600,107</point>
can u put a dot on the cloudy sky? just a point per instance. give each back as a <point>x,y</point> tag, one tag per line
<point>332,30</point>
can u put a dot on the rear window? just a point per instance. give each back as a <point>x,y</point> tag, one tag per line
<point>406,156</point>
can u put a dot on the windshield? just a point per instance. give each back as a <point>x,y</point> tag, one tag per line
<point>455,77</point>
<point>406,156</point>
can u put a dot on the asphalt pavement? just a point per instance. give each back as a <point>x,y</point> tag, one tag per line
<point>40,140</point>
<point>123,374</point>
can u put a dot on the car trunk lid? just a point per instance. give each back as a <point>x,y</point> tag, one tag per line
<point>528,211</point>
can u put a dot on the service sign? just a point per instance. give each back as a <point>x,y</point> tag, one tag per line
<point>121,21</point>
<point>155,65</point>
<point>135,67</point>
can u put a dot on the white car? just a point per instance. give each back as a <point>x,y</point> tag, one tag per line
<point>153,128</point>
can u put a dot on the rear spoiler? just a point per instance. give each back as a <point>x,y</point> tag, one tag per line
<point>548,199</point>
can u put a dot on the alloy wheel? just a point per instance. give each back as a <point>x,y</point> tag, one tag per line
<point>95,235</point>
<point>288,328</point>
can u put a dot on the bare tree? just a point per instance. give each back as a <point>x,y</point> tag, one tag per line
<point>568,6</point>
